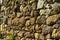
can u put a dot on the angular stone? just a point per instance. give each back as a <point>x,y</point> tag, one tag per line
<point>50,1</point>
<point>56,7</point>
<point>36,35</point>
<point>28,23</point>
<point>36,27</point>
<point>20,33</point>
<point>22,20</point>
<point>58,34</point>
<point>9,21</point>
<point>19,14</point>
<point>27,17</point>
<point>40,4</point>
<point>21,8</point>
<point>32,20</point>
<point>33,6</point>
<point>54,33</point>
<point>41,36</point>
<point>52,19</point>
<point>46,29</point>
<point>1,1</point>
<point>56,26</point>
<point>25,9</point>
<point>27,34</point>
<point>32,13</point>
<point>48,6</point>
<point>45,12</point>
<point>41,20</point>
<point>42,12</point>
<point>15,21</point>
<point>48,36</point>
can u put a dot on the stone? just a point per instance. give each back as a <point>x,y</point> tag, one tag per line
<point>28,23</point>
<point>3,8</point>
<point>58,34</point>
<point>28,38</point>
<point>20,34</point>
<point>25,9</point>
<point>22,20</point>
<point>33,6</point>
<point>27,14</point>
<point>48,36</point>
<point>32,13</point>
<point>36,14</point>
<point>48,6</point>
<point>58,22</point>
<point>27,34</point>
<point>41,37</point>
<point>50,1</point>
<point>49,39</point>
<point>15,21</point>
<point>57,1</point>
<point>54,33</point>
<point>51,19</point>
<point>41,20</point>
<point>21,8</point>
<point>56,26</point>
<point>27,18</point>
<point>36,27</point>
<point>1,1</point>
<point>31,28</point>
<point>31,1</point>
<point>32,20</point>
<point>45,12</point>
<point>36,35</point>
<point>23,38</point>
<point>46,29</point>
<point>56,7</point>
<point>12,15</point>
<point>42,11</point>
<point>19,14</point>
<point>48,12</point>
<point>9,21</point>
<point>40,4</point>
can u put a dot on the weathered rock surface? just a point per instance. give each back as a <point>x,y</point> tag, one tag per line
<point>30,20</point>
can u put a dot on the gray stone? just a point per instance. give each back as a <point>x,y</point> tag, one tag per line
<point>40,4</point>
<point>41,20</point>
<point>0,1</point>
<point>46,29</point>
<point>56,26</point>
<point>45,12</point>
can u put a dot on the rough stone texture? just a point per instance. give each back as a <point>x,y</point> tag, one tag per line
<point>30,20</point>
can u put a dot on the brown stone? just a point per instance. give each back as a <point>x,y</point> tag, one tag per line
<point>20,33</point>
<point>32,13</point>
<point>19,14</point>
<point>36,35</point>
<point>27,34</point>
<point>22,20</point>
<point>32,20</point>
<point>52,19</point>
<point>54,33</point>
<point>28,23</point>
<point>33,6</point>
<point>9,21</point>
<point>58,34</point>
<point>15,21</point>
<point>48,36</point>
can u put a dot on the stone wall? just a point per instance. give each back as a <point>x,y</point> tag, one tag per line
<point>30,20</point>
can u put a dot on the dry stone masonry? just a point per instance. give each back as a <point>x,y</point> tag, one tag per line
<point>29,19</point>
